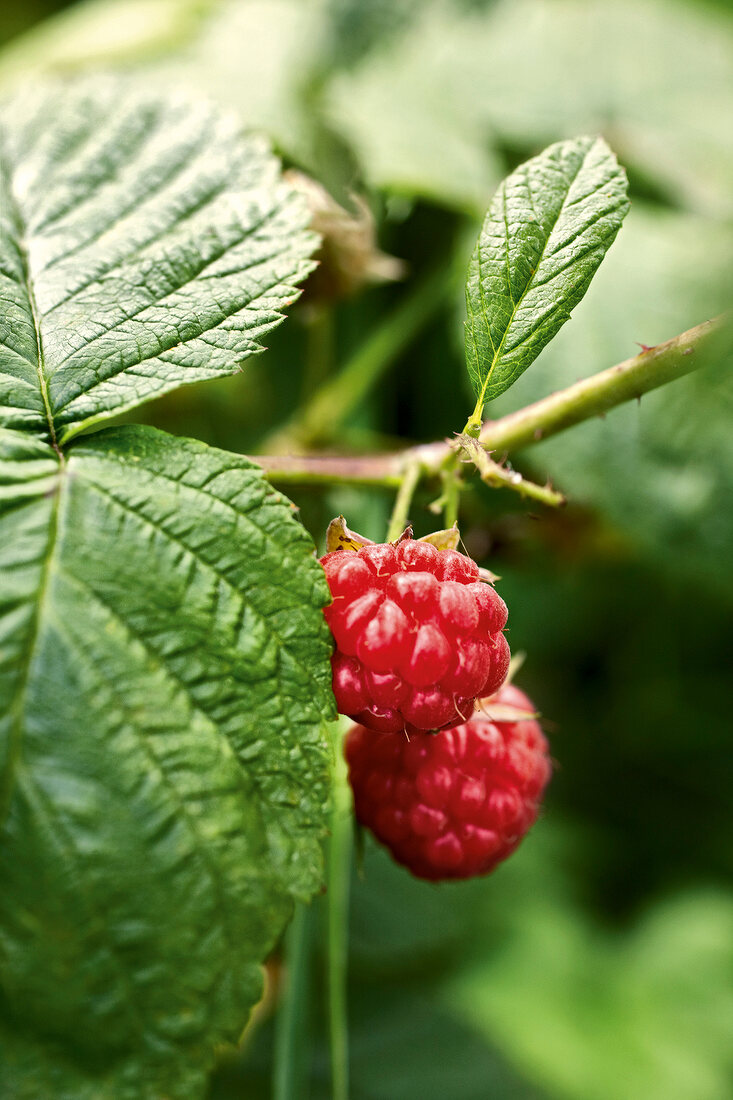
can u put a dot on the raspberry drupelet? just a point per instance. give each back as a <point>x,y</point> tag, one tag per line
<point>418,635</point>
<point>453,804</point>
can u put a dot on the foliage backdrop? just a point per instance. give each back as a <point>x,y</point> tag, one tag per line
<point>597,964</point>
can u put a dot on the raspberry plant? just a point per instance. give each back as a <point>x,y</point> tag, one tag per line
<point>164,658</point>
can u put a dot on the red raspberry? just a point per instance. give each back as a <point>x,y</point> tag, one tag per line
<point>455,803</point>
<point>418,635</point>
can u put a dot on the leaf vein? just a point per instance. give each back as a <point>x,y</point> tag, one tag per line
<point>18,703</point>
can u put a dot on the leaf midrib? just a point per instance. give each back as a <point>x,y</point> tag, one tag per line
<point>16,214</point>
<point>192,825</point>
<point>18,704</point>
<point>530,281</point>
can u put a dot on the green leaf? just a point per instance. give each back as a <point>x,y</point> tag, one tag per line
<point>661,472</point>
<point>144,243</point>
<point>674,132</point>
<point>164,777</point>
<point>103,32</point>
<point>471,79</point>
<point>655,999</point>
<point>548,228</point>
<point>432,146</point>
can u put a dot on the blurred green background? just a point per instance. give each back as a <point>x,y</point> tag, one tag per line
<point>598,963</point>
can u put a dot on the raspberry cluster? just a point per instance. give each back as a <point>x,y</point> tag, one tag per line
<point>452,804</point>
<point>418,635</point>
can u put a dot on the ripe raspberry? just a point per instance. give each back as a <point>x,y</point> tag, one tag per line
<point>418,635</point>
<point>455,803</point>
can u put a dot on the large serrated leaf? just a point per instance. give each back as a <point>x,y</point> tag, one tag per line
<point>164,675</point>
<point>144,243</point>
<point>548,228</point>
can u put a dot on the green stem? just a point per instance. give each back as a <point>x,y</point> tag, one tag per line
<point>290,1073</point>
<point>382,471</point>
<point>319,350</point>
<point>592,397</point>
<point>451,495</point>
<point>403,500</point>
<point>339,871</point>
<point>343,393</point>
<point>500,477</point>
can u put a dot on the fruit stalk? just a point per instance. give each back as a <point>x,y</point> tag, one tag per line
<point>339,872</point>
<point>403,500</point>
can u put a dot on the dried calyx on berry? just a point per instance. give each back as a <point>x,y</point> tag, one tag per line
<point>454,804</point>
<point>418,632</point>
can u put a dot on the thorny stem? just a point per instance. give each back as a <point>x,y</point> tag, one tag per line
<point>599,393</point>
<point>383,471</point>
<point>499,477</point>
<point>496,476</point>
<point>593,396</point>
